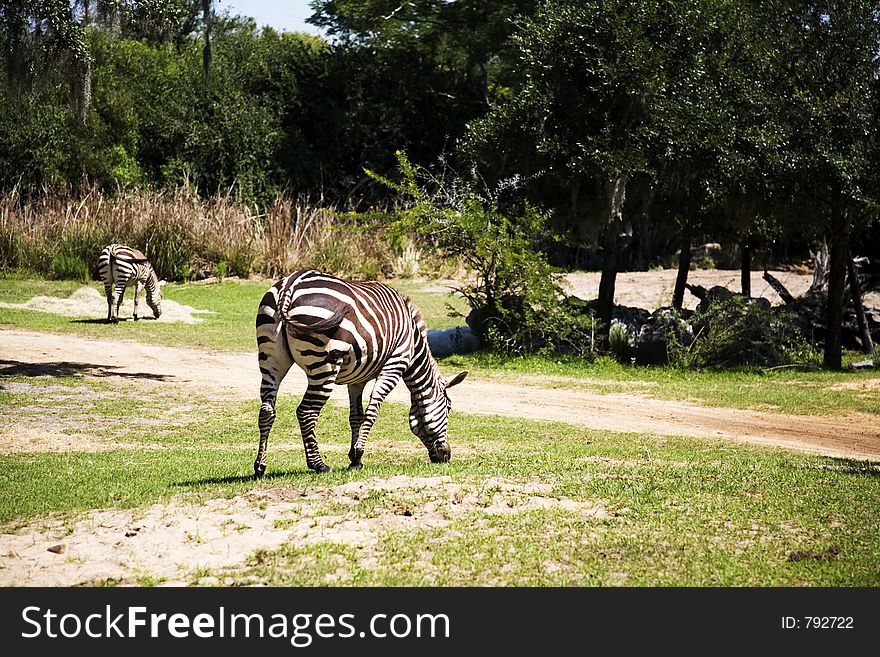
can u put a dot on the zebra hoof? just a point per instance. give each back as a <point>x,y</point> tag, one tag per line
<point>322,469</point>
<point>356,466</point>
<point>259,471</point>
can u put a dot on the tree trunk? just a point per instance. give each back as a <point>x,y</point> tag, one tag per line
<point>746,267</point>
<point>836,282</point>
<point>684,267</point>
<point>614,194</point>
<point>82,84</point>
<point>780,289</point>
<point>855,290</point>
<point>741,214</point>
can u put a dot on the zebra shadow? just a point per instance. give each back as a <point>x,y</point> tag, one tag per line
<point>72,369</point>
<point>240,479</point>
<point>93,320</point>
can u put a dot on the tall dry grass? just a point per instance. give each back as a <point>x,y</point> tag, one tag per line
<point>185,236</point>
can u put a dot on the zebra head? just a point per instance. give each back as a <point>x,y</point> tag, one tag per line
<point>154,295</point>
<point>429,419</point>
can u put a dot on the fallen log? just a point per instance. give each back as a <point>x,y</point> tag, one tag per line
<point>779,288</point>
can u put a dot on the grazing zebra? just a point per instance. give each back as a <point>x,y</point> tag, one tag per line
<point>347,333</point>
<point>122,266</point>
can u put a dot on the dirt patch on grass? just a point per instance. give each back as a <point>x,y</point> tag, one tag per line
<point>26,439</point>
<point>174,542</point>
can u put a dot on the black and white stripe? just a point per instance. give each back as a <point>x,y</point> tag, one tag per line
<point>122,266</point>
<point>348,333</point>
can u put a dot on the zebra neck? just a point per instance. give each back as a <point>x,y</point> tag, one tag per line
<point>152,284</point>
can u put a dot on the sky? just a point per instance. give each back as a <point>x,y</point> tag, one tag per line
<point>289,15</point>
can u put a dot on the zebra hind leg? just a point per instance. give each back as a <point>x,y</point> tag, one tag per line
<point>108,291</point>
<point>307,413</point>
<point>117,299</point>
<point>274,365</point>
<point>267,419</point>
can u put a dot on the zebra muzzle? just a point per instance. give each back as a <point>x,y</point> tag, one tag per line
<point>440,453</point>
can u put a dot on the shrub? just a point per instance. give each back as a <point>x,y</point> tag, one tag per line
<point>69,267</point>
<point>169,247</point>
<point>736,330</point>
<point>516,303</point>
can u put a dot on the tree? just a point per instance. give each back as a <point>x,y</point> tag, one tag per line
<point>410,75</point>
<point>595,73</point>
<point>832,111</point>
<point>40,34</point>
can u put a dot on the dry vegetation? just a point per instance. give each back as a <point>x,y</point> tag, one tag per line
<point>186,237</point>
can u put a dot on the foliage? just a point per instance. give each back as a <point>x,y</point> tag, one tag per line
<point>733,331</point>
<point>69,267</point>
<point>515,301</point>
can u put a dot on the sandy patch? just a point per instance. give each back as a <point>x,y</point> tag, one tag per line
<point>653,289</point>
<point>90,303</point>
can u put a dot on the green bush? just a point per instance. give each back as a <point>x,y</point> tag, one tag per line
<point>170,248</point>
<point>737,331</point>
<point>69,267</point>
<point>516,303</point>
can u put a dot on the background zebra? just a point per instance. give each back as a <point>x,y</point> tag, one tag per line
<point>347,333</point>
<point>121,266</point>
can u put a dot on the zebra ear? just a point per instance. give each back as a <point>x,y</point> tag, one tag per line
<point>458,378</point>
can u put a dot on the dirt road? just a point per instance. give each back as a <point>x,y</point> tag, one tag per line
<point>237,375</point>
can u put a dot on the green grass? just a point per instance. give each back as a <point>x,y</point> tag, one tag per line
<point>229,325</point>
<point>811,392</point>
<point>674,511</point>
<point>670,511</point>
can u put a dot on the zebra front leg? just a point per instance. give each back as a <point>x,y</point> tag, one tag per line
<point>355,420</point>
<point>382,388</point>
<point>307,413</point>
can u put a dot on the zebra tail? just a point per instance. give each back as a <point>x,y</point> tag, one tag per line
<point>321,326</point>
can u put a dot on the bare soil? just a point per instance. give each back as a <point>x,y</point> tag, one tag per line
<point>170,542</point>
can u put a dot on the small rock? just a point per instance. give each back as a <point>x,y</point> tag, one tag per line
<point>61,548</point>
